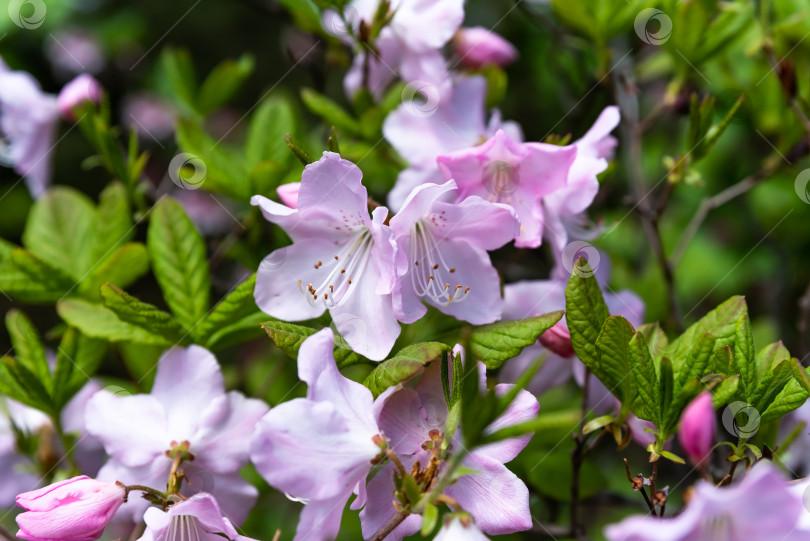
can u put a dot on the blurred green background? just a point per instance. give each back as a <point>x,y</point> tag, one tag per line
<point>576,57</point>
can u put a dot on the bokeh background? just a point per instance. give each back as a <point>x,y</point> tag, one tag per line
<point>576,57</point>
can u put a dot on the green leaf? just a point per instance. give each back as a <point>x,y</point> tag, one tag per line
<point>28,345</point>
<point>725,391</point>
<point>647,406</point>
<point>179,262</point>
<point>144,315</point>
<point>236,305</point>
<point>408,362</point>
<point>122,268</point>
<point>305,14</point>
<point>800,375</point>
<point>77,360</point>
<point>429,519</point>
<point>791,397</point>
<point>744,359</point>
<point>666,382</point>
<point>178,70</point>
<point>673,457</point>
<point>614,368</point>
<point>497,343</point>
<point>771,385</point>
<point>24,386</point>
<point>656,338</point>
<point>330,111</point>
<point>115,215</point>
<point>242,330</point>
<point>289,337</point>
<point>586,312</point>
<point>61,230</point>
<point>272,119</point>
<point>700,357</point>
<point>723,360</point>
<point>223,82</point>
<point>98,321</point>
<point>27,278</point>
<point>225,168</point>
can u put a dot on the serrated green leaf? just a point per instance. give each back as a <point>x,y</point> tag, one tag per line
<point>769,356</point>
<point>26,386</point>
<point>800,374</point>
<point>330,111</point>
<point>144,315</point>
<point>27,278</point>
<point>116,218</point>
<point>223,83</point>
<point>666,393</point>
<point>289,337</point>
<point>179,262</point>
<point>77,360</point>
<point>272,119</point>
<point>771,385</point>
<point>698,363</point>
<point>408,362</point>
<point>98,321</point>
<point>61,230</point>
<point>656,338</point>
<point>647,405</point>
<point>234,306</point>
<point>791,397</point>
<point>744,358</point>
<point>725,391</point>
<point>238,331</point>
<point>586,313</point>
<point>122,268</point>
<point>723,360</point>
<point>28,346</point>
<point>497,343</point>
<point>614,367</point>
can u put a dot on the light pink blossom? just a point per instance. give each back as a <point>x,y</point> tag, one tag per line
<point>198,518</point>
<point>83,89</point>
<point>477,46</point>
<point>77,509</point>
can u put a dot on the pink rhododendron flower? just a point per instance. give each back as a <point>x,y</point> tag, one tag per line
<point>696,433</point>
<point>151,117</point>
<point>28,121</point>
<point>519,174</point>
<point>320,448</point>
<point>188,403</point>
<point>77,509</point>
<point>762,506</point>
<point>72,52</point>
<point>341,259</point>
<point>288,193</point>
<point>82,89</point>
<point>195,519</point>
<point>477,46</point>
<point>457,123</point>
<point>564,208</point>
<point>409,46</point>
<point>413,419</point>
<point>444,251</point>
<point>456,530</point>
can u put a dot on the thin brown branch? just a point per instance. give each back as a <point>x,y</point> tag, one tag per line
<point>389,526</point>
<point>577,529</point>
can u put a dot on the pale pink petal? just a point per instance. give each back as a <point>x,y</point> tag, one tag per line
<point>380,508</point>
<point>524,408</point>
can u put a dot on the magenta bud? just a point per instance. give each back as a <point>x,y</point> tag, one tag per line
<point>76,509</point>
<point>477,47</point>
<point>82,89</point>
<point>558,340</point>
<point>288,193</point>
<point>696,434</point>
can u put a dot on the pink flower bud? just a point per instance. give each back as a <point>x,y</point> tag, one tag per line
<point>696,434</point>
<point>558,340</point>
<point>477,47</point>
<point>288,193</point>
<point>82,89</point>
<point>76,509</point>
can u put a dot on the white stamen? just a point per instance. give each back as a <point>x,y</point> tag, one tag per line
<point>340,271</point>
<point>431,276</point>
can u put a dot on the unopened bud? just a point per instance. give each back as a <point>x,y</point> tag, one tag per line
<point>83,89</point>
<point>696,434</point>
